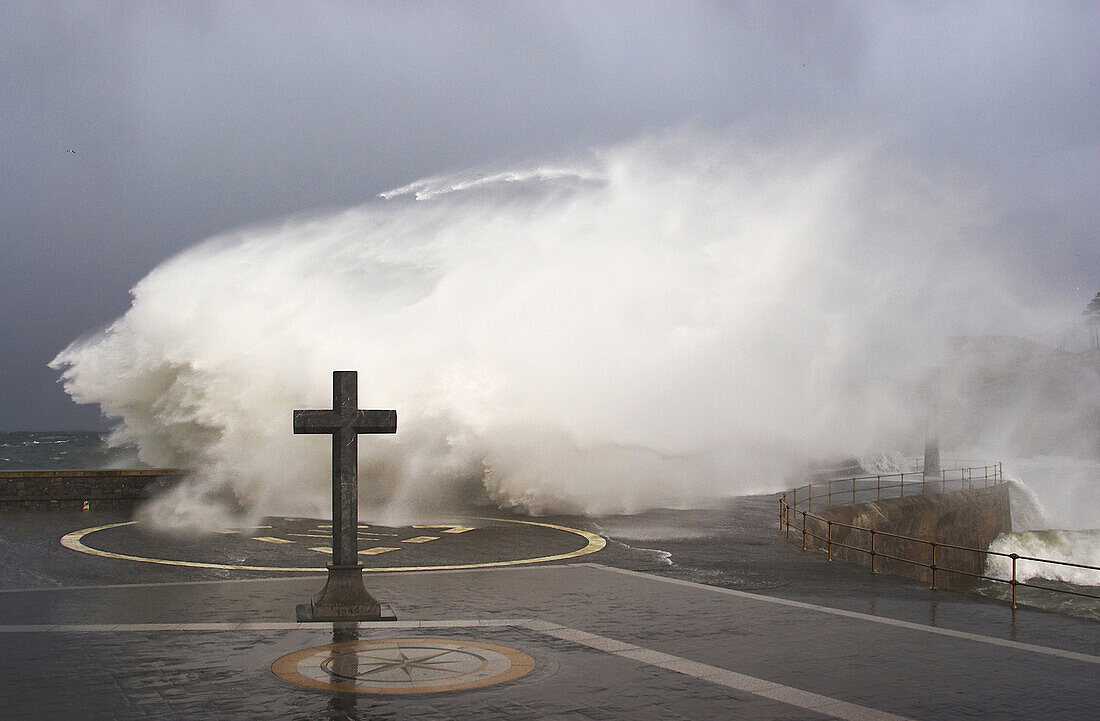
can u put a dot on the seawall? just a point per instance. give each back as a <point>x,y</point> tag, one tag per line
<point>971,519</point>
<point>100,489</point>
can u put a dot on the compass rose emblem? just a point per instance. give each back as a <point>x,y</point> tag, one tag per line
<point>403,666</point>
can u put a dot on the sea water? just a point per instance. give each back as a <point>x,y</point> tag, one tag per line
<point>62,450</point>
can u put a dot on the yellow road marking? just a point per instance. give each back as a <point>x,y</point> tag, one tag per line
<point>75,541</point>
<point>270,539</point>
<point>376,550</point>
<point>421,539</point>
<point>448,529</point>
<point>322,549</point>
<point>326,532</point>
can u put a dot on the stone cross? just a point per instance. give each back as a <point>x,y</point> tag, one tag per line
<point>344,597</point>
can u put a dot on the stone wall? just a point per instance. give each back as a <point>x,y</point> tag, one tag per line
<point>971,519</point>
<point>45,490</point>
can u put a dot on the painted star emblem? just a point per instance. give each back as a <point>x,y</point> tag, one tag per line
<point>406,663</point>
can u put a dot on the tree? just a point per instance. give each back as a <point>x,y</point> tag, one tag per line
<point>1092,317</point>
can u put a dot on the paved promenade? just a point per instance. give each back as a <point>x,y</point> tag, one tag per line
<point>566,640</point>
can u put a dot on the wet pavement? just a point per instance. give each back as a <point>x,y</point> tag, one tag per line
<point>682,615</point>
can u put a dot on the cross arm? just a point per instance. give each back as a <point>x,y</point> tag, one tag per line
<point>325,421</point>
<point>375,422</point>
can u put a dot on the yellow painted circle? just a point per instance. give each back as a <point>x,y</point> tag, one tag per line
<point>75,542</point>
<point>403,666</point>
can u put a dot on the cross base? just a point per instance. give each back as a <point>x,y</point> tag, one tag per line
<point>344,598</point>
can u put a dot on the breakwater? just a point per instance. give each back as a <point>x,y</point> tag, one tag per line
<point>77,489</point>
<point>954,529</point>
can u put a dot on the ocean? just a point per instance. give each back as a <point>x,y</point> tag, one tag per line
<point>62,450</point>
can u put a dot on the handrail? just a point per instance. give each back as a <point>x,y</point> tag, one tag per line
<point>965,480</point>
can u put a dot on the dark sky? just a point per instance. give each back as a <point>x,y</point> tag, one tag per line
<point>191,118</point>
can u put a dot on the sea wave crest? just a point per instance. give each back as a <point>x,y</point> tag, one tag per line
<point>1075,547</point>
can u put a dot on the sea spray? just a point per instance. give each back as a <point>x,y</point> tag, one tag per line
<point>1078,547</point>
<point>1032,520</point>
<point>1026,508</point>
<point>885,462</point>
<point>685,316</point>
<point>1057,492</point>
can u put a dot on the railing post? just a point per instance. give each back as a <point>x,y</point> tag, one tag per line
<point>943,475</point>
<point>873,551</point>
<point>903,485</point>
<point>803,530</point>
<point>878,488</point>
<point>829,535</point>
<point>810,492</point>
<point>933,565</point>
<point>1013,556</point>
<point>782,502</point>
<point>794,493</point>
<point>853,491</point>
<point>829,486</point>
<point>788,524</point>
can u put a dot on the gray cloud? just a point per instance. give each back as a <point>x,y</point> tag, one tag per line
<point>192,118</point>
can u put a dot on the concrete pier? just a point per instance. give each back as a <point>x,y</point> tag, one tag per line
<point>77,489</point>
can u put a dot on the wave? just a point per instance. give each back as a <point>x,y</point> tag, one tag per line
<point>684,316</point>
<point>1080,547</point>
<point>1060,490</point>
<point>885,462</point>
<point>430,188</point>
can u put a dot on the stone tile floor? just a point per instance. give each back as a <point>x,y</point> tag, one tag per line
<point>773,634</point>
<point>608,644</point>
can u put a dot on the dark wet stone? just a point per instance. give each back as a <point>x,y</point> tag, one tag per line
<point>173,674</point>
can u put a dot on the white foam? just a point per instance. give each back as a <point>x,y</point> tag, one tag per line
<point>1081,547</point>
<point>885,462</point>
<point>686,316</point>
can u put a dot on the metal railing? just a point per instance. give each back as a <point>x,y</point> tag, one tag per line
<point>864,489</point>
<point>849,490</point>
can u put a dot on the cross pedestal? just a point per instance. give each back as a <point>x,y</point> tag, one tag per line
<point>344,597</point>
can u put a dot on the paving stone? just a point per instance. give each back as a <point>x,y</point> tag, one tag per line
<point>606,644</point>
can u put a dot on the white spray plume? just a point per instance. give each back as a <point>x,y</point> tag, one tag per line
<point>677,318</point>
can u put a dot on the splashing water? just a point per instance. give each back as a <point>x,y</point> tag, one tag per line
<point>674,319</point>
<point>1082,547</point>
